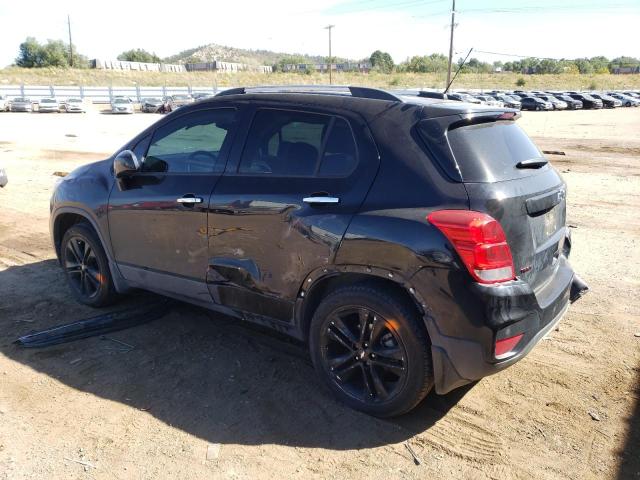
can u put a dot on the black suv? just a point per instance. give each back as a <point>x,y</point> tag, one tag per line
<point>588,102</point>
<point>412,243</point>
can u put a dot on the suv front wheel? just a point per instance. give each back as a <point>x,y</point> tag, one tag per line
<point>372,351</point>
<point>86,266</point>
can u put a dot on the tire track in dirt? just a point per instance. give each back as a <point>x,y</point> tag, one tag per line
<point>465,436</point>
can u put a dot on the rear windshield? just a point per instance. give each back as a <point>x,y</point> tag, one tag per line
<point>489,152</point>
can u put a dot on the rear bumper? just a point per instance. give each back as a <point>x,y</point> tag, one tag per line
<point>464,334</point>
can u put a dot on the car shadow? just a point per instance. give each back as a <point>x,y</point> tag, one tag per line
<point>630,465</point>
<point>212,376</point>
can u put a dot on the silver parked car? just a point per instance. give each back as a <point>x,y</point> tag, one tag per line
<point>48,105</point>
<point>556,102</point>
<point>73,105</point>
<point>487,100</point>
<point>173,102</point>
<point>151,105</point>
<point>121,105</point>
<point>21,104</point>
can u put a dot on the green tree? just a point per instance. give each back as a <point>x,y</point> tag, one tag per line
<point>436,62</point>
<point>382,61</point>
<point>584,65</point>
<point>139,55</point>
<point>54,53</point>
<point>30,53</point>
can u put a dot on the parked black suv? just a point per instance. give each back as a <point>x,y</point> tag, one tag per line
<point>587,100</point>
<point>413,243</point>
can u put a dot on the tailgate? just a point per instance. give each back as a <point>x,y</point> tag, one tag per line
<point>506,176</point>
<point>532,213</point>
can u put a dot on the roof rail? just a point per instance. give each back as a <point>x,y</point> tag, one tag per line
<point>360,92</point>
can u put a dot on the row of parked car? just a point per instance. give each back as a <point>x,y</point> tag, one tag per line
<point>119,104</point>
<point>543,100</point>
<point>44,105</point>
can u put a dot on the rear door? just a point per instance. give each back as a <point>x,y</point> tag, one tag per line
<point>281,209</point>
<point>506,176</point>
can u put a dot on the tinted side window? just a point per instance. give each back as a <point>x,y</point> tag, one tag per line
<point>284,143</point>
<point>191,143</point>
<point>340,156</point>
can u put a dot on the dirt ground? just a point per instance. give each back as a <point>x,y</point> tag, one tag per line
<point>200,396</point>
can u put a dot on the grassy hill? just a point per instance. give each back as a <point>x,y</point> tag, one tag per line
<point>67,76</point>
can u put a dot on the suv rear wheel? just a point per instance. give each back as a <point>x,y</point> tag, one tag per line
<point>371,350</point>
<point>86,266</point>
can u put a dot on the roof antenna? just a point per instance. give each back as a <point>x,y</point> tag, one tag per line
<point>458,71</point>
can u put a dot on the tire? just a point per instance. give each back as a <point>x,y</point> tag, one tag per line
<point>87,271</point>
<point>384,372</point>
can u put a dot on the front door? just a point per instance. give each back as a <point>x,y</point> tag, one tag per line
<point>282,210</point>
<point>157,217</point>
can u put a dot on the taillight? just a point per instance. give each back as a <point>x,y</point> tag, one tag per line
<point>479,240</point>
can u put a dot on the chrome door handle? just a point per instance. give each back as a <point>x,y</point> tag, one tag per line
<point>321,200</point>
<point>189,200</point>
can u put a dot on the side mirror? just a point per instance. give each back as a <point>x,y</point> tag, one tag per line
<point>126,163</point>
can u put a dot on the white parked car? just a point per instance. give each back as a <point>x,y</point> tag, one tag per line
<point>3,176</point>
<point>5,104</point>
<point>48,105</point>
<point>73,105</point>
<point>122,105</point>
<point>487,100</point>
<point>21,104</point>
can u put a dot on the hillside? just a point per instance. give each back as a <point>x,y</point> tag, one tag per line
<point>208,53</point>
<point>88,77</point>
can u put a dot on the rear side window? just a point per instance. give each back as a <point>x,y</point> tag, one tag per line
<point>340,156</point>
<point>489,152</point>
<point>300,144</point>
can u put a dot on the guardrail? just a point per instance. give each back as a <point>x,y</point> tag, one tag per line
<point>99,94</point>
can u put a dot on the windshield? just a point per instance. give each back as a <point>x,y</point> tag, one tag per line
<point>48,100</point>
<point>152,100</point>
<point>74,100</point>
<point>181,97</point>
<point>121,100</point>
<point>20,99</point>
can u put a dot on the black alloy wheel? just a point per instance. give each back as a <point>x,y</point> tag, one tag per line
<point>364,354</point>
<point>82,266</point>
<point>370,346</point>
<point>86,266</point>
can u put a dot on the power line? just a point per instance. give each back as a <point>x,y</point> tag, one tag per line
<point>517,56</point>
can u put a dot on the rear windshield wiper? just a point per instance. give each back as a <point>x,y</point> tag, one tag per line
<point>536,163</point>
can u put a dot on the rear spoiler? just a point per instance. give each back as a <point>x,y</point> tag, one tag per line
<point>476,118</point>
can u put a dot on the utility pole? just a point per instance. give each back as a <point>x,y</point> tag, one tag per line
<point>453,21</point>
<point>70,44</point>
<point>329,27</point>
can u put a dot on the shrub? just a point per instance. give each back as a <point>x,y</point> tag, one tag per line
<point>394,82</point>
<point>521,82</point>
<point>593,86</point>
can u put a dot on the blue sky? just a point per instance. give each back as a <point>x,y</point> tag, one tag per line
<point>546,28</point>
